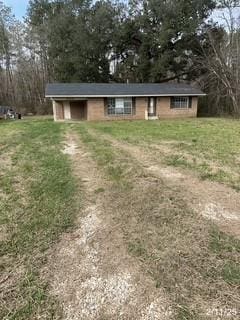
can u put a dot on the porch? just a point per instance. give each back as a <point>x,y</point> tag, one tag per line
<point>70,110</point>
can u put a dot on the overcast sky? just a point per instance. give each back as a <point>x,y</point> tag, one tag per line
<point>19,9</point>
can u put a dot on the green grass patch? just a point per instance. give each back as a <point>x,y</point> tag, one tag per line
<point>185,254</point>
<point>99,190</point>
<point>212,144</point>
<point>231,273</point>
<point>136,248</point>
<point>37,204</point>
<point>220,243</point>
<point>106,157</point>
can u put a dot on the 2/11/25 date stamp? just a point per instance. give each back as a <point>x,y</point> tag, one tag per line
<point>222,313</point>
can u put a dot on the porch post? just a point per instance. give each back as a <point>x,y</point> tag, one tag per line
<point>54,110</point>
<point>146,114</point>
<point>67,110</point>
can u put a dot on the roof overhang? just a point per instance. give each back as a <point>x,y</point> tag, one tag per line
<point>126,95</point>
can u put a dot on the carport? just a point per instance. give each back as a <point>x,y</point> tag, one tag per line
<point>70,109</point>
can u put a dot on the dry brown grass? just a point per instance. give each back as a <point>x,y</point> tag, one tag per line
<point>138,246</point>
<point>213,200</point>
<point>174,244</point>
<point>184,253</point>
<point>206,147</point>
<point>90,270</point>
<point>36,187</point>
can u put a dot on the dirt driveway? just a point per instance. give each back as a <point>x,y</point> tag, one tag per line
<point>213,200</point>
<point>91,272</point>
<point>94,276</point>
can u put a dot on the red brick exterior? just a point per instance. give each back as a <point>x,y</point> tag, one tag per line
<point>95,110</point>
<point>164,110</point>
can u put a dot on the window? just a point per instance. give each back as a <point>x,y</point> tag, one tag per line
<point>180,102</point>
<point>119,106</point>
<point>111,106</point>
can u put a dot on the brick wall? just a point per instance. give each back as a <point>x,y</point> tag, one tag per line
<point>96,110</point>
<point>58,110</point>
<point>163,109</point>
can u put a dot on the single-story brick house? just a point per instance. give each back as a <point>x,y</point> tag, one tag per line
<point>114,101</point>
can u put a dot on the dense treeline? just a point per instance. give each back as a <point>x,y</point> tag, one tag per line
<point>107,41</point>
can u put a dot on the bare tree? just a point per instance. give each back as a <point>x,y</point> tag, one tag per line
<point>221,59</point>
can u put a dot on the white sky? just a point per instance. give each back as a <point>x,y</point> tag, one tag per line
<point>218,15</point>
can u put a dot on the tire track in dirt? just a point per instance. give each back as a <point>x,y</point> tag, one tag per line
<point>92,275</point>
<point>212,200</point>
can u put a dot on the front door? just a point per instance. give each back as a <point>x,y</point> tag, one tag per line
<point>151,107</point>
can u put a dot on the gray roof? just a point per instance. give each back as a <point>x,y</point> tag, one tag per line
<point>119,89</point>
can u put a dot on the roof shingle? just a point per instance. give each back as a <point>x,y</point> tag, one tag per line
<point>119,89</point>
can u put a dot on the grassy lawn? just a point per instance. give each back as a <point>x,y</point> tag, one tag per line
<point>209,147</point>
<point>188,256</point>
<point>37,203</point>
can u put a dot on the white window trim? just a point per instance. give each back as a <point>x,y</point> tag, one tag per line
<point>119,105</point>
<point>180,102</point>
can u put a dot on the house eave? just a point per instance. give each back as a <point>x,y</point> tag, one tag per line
<point>126,95</point>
